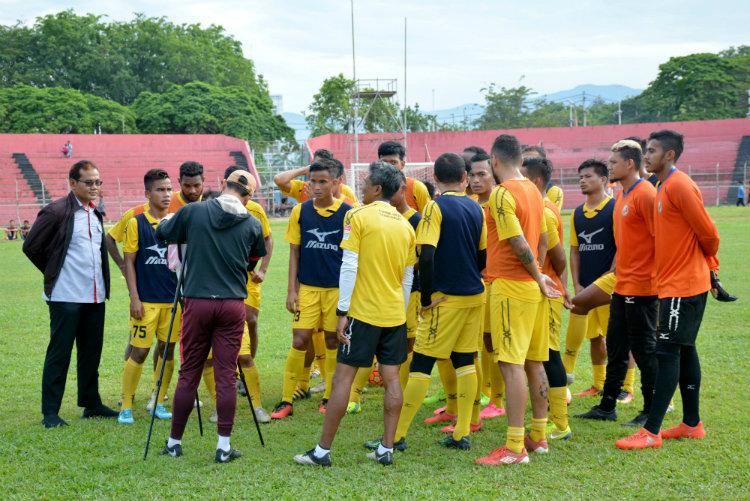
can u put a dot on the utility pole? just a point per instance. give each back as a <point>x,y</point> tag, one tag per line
<point>584,108</point>
<point>354,107</point>
<point>619,112</point>
<point>405,125</point>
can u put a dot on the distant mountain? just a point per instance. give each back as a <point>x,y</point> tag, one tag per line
<point>609,93</point>
<point>472,111</point>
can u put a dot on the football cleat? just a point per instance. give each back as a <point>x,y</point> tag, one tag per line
<point>642,439</point>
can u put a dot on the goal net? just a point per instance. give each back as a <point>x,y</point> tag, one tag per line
<point>357,172</point>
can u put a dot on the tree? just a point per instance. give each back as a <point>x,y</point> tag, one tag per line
<point>694,87</point>
<point>505,108</point>
<point>119,60</point>
<point>332,111</point>
<point>201,108</point>
<point>56,110</point>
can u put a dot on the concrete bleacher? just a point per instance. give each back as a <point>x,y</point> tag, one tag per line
<point>708,144</point>
<point>122,160</point>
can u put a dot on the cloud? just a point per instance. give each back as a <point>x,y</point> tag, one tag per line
<point>455,48</point>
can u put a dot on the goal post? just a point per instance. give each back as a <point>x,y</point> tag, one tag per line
<point>357,172</point>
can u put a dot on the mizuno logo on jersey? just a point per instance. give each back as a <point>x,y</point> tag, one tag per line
<point>588,246</point>
<point>160,251</point>
<point>321,243</point>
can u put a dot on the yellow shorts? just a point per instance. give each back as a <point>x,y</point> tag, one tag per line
<point>316,307</point>
<point>443,330</point>
<point>253,293</point>
<point>155,320</point>
<point>598,318</point>
<point>555,322</point>
<point>412,315</point>
<point>606,282</point>
<point>518,331</point>
<point>245,344</point>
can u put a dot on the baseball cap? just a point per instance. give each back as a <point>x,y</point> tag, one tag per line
<point>244,179</point>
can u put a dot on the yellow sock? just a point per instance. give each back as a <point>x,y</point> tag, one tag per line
<point>330,368</point>
<point>131,374</point>
<point>466,392</point>
<point>166,379</point>
<point>573,340</point>
<point>359,383</point>
<point>514,439</point>
<point>321,353</point>
<point>485,382</point>
<point>294,370</point>
<point>538,429</point>
<point>476,406</point>
<point>629,381</point>
<point>252,378</point>
<point>303,378</point>
<point>600,374</point>
<point>208,379</point>
<point>448,378</point>
<point>416,389</point>
<point>558,407</point>
<point>403,373</point>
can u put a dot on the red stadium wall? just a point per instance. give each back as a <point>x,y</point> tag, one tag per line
<point>122,160</point>
<point>707,143</point>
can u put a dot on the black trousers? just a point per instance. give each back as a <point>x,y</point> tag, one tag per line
<point>84,324</point>
<point>632,327</point>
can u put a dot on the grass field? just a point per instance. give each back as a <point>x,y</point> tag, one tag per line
<point>97,459</point>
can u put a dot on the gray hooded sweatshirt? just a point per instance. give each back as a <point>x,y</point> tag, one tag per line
<point>223,243</point>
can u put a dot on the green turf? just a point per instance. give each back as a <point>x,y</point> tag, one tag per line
<point>103,459</point>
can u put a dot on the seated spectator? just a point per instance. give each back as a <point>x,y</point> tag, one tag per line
<point>12,230</point>
<point>25,227</point>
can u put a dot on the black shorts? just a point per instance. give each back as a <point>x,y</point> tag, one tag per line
<point>680,318</point>
<point>632,317</point>
<point>366,341</point>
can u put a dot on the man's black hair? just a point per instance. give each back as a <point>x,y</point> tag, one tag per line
<point>600,168</point>
<point>191,169</point>
<point>475,149</point>
<point>326,164</point>
<point>323,153</point>
<point>669,140</point>
<point>449,168</point>
<point>638,140</point>
<point>533,147</point>
<point>479,157</point>
<point>391,148</point>
<point>538,168</point>
<point>386,176</point>
<point>430,189</point>
<point>75,171</point>
<point>152,176</point>
<point>339,167</point>
<point>228,171</point>
<point>210,195</point>
<point>507,149</point>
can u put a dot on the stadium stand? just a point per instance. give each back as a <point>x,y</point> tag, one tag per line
<point>708,144</point>
<point>33,168</point>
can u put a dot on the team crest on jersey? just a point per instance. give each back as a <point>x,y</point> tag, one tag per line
<point>625,210</point>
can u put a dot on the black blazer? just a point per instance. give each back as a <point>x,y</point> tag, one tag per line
<point>49,238</point>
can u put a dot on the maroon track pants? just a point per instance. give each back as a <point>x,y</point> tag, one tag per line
<point>209,324</point>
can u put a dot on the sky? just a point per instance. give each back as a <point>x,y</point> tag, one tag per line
<point>454,49</point>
